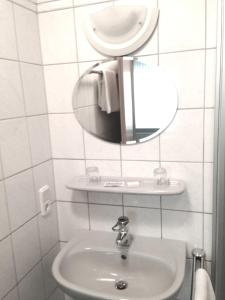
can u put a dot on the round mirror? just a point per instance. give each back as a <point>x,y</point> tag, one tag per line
<point>125,100</point>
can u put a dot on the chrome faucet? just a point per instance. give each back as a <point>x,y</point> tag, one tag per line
<point>123,237</point>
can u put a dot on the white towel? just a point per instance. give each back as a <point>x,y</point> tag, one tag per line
<point>109,95</point>
<point>203,286</point>
<point>88,91</point>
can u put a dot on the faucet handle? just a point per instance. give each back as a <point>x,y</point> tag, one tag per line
<point>121,223</point>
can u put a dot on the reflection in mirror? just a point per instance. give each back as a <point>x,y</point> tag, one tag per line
<point>125,100</point>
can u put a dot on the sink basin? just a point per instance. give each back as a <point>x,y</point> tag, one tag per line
<point>91,267</point>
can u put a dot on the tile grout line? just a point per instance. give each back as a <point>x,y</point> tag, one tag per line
<point>53,292</point>
<point>159,143</point>
<point>83,133</point>
<point>50,135</point>
<point>31,162</point>
<point>132,206</point>
<point>25,110</point>
<point>121,173</point>
<point>20,61</point>
<point>179,109</point>
<point>81,5</point>
<point>12,231</point>
<point>23,6</point>
<point>137,56</point>
<point>203,154</point>
<point>25,170</point>
<point>85,165</point>
<point>131,160</point>
<point>24,117</point>
<point>18,281</point>
<point>71,112</point>
<point>24,106</point>
<point>71,6</point>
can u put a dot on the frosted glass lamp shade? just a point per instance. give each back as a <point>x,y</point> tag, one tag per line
<point>121,30</point>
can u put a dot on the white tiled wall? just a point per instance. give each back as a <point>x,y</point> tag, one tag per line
<point>185,45</point>
<point>187,49</point>
<point>28,242</point>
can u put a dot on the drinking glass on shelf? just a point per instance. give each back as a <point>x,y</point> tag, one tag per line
<point>93,175</point>
<point>160,176</point>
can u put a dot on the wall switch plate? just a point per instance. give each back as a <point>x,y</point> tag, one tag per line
<point>44,198</point>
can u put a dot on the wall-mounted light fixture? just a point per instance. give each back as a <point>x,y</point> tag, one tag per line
<point>121,29</point>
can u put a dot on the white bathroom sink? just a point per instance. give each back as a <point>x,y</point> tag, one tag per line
<point>91,266</point>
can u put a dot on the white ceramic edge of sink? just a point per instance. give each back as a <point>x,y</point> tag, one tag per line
<point>73,287</point>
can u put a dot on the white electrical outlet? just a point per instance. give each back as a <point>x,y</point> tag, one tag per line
<point>44,198</point>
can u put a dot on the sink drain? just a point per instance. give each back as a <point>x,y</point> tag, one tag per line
<point>121,285</point>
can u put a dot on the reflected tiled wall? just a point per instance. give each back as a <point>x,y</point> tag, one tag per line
<point>28,242</point>
<point>184,44</point>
